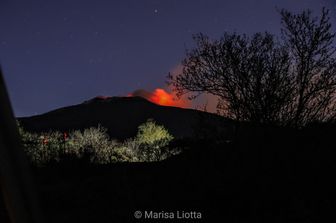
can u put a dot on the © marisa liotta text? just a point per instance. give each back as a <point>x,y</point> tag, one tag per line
<point>172,215</point>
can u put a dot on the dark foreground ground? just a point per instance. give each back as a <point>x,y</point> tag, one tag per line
<point>263,175</point>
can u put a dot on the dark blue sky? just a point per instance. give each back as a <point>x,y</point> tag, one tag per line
<point>59,53</point>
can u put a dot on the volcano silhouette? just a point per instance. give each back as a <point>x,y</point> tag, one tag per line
<point>121,116</point>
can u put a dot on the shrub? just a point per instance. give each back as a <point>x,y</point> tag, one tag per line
<point>153,135</point>
<point>94,144</point>
<point>122,153</point>
<point>153,140</point>
<point>42,148</point>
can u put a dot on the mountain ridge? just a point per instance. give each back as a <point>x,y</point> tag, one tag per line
<point>121,116</point>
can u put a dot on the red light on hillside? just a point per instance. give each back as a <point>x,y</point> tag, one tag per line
<point>161,97</point>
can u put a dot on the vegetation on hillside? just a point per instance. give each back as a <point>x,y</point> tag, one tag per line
<point>150,144</point>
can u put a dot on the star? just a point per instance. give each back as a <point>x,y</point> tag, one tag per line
<point>156,11</point>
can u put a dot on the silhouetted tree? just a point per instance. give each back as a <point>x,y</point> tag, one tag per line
<point>310,41</point>
<point>265,80</point>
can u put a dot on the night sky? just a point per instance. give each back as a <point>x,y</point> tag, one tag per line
<point>59,53</point>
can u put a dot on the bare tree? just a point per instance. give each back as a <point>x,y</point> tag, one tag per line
<point>261,79</point>
<point>250,75</point>
<point>310,41</point>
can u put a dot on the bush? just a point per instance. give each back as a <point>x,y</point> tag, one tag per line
<point>153,140</point>
<point>94,144</point>
<point>42,148</point>
<point>153,135</point>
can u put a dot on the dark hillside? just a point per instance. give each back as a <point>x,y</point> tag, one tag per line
<point>266,174</point>
<point>261,174</point>
<point>122,116</point>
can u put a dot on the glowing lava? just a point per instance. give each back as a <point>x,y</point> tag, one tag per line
<point>161,97</point>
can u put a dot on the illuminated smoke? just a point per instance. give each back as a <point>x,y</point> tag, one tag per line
<point>204,102</point>
<point>161,97</point>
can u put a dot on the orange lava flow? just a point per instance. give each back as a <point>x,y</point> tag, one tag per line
<point>161,97</point>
